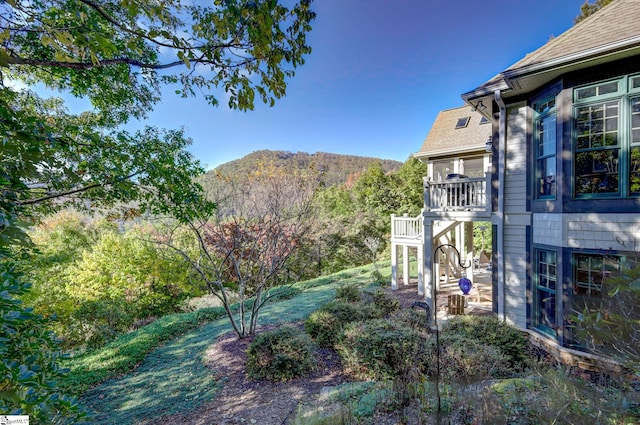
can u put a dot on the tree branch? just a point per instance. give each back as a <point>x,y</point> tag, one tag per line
<point>69,192</point>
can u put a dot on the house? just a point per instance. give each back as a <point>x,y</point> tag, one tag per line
<point>565,180</point>
<point>458,162</point>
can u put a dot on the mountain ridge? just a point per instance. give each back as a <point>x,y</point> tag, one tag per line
<point>337,168</point>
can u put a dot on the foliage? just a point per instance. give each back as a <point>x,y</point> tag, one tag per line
<point>554,396</point>
<point>385,303</point>
<point>494,333</point>
<point>410,178</point>
<point>325,324</point>
<point>349,293</point>
<point>51,160</point>
<point>588,9</point>
<point>118,55</point>
<point>104,281</point>
<point>29,353</point>
<point>280,355</point>
<point>378,348</point>
<point>464,360</point>
<point>254,240</point>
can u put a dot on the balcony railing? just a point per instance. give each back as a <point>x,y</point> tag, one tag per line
<point>458,194</point>
<point>405,227</point>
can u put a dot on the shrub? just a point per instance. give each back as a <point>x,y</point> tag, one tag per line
<point>493,332</point>
<point>463,360</point>
<point>378,349</point>
<point>385,303</point>
<point>280,355</point>
<point>415,319</point>
<point>349,293</point>
<point>326,323</point>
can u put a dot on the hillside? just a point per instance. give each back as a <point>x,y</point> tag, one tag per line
<point>337,168</point>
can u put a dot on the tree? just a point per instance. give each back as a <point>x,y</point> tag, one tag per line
<point>411,180</point>
<point>29,359</point>
<point>246,247</point>
<point>118,54</point>
<point>588,9</point>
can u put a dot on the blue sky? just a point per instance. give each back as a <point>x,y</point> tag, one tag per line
<point>379,73</point>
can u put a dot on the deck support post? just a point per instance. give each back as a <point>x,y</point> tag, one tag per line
<point>394,266</point>
<point>405,265</point>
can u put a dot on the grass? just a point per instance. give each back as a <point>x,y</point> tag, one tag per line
<point>161,365</point>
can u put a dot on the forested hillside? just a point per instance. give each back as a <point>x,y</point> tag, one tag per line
<point>335,168</point>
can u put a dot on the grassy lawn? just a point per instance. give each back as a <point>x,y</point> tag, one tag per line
<point>172,378</point>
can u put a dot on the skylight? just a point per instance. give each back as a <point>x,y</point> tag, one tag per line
<point>462,122</point>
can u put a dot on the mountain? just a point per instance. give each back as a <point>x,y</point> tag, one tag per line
<point>337,168</point>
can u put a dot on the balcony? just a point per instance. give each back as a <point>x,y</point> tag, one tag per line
<point>458,194</point>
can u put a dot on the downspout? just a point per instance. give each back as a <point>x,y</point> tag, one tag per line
<point>502,154</point>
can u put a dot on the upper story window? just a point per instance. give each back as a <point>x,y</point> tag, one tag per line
<point>545,148</point>
<point>607,138</point>
<point>462,122</point>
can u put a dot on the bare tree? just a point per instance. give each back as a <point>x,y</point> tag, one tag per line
<point>244,248</point>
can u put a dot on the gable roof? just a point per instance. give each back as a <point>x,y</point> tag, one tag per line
<point>445,139</point>
<point>611,33</point>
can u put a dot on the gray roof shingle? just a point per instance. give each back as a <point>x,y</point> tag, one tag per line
<point>444,138</point>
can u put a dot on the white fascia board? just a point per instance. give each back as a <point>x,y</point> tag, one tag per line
<point>449,152</point>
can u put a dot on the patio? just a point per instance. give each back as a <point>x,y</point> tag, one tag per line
<point>478,302</point>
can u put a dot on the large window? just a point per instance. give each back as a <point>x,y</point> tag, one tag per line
<point>590,276</point>
<point>607,139</point>
<point>545,293</point>
<point>545,141</point>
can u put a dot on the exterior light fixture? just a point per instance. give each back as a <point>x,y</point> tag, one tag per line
<point>479,106</point>
<point>488,145</point>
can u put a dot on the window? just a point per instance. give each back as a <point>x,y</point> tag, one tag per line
<point>545,140</point>
<point>590,272</point>
<point>484,120</point>
<point>462,122</point>
<point>589,287</point>
<point>607,139</point>
<point>442,168</point>
<point>545,292</point>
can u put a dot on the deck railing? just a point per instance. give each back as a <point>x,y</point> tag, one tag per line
<point>406,227</point>
<point>459,194</point>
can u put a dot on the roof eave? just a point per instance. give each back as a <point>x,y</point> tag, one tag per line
<point>449,152</point>
<point>603,54</point>
<point>511,78</point>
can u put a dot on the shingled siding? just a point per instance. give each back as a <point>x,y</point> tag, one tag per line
<point>547,229</point>
<point>603,231</point>
<point>516,217</point>
<point>620,232</point>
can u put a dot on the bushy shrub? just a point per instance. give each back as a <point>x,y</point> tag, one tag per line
<point>491,331</point>
<point>281,354</point>
<point>378,349</point>
<point>464,361</point>
<point>326,323</point>
<point>416,319</point>
<point>385,303</point>
<point>349,293</point>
